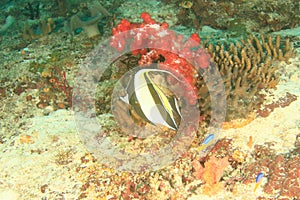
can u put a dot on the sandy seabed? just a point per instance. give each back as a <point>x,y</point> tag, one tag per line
<point>30,167</point>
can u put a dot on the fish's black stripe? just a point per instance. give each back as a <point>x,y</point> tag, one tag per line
<point>133,101</point>
<point>159,103</point>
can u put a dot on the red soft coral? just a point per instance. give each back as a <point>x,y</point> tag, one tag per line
<point>157,44</point>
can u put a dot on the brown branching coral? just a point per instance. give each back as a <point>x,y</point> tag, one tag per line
<point>246,68</point>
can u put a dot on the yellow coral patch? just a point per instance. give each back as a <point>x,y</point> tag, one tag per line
<point>238,123</point>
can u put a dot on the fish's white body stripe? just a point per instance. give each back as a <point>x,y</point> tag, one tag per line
<point>177,107</point>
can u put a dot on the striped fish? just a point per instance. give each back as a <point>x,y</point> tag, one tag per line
<point>150,102</point>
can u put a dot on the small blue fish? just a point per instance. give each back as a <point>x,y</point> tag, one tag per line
<point>259,177</point>
<point>208,139</point>
<point>206,142</point>
<point>258,180</point>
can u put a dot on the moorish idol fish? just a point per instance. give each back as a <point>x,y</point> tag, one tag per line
<point>150,102</point>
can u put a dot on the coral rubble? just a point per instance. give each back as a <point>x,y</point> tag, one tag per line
<point>282,102</point>
<point>282,173</point>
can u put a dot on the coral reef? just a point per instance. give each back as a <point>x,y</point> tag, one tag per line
<point>8,22</point>
<point>51,81</point>
<point>167,11</point>
<point>246,67</point>
<point>30,20</point>
<point>96,180</point>
<point>36,73</point>
<point>163,47</point>
<point>238,123</point>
